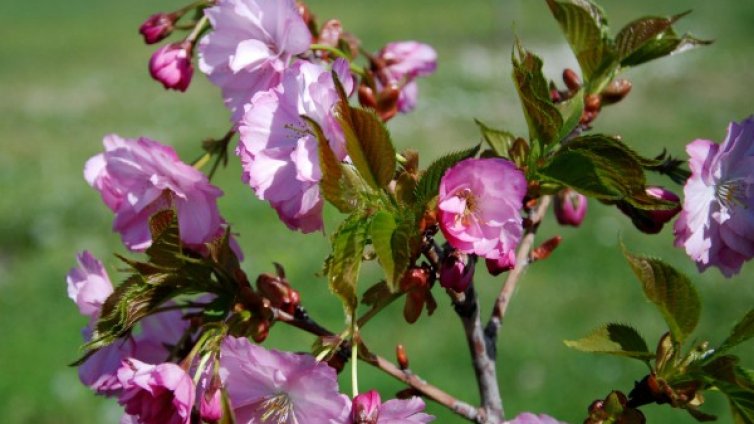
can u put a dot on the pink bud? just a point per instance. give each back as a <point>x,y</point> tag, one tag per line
<point>661,193</point>
<point>365,408</point>
<point>651,222</point>
<point>501,264</point>
<point>157,27</point>
<point>171,65</point>
<point>456,272</point>
<point>210,407</point>
<point>570,207</point>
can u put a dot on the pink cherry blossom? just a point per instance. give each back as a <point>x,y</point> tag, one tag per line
<point>405,61</point>
<point>716,225</point>
<point>171,66</point>
<point>570,207</point>
<point>279,154</point>
<point>89,285</point>
<point>156,394</point>
<point>251,44</point>
<point>157,27</point>
<point>478,207</point>
<point>279,386</point>
<point>367,408</point>
<point>529,418</point>
<point>138,177</point>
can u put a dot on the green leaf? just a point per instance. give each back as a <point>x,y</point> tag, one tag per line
<point>671,291</point>
<point>382,229</point>
<point>742,332</point>
<point>638,33</point>
<point>343,265</point>
<point>165,250</point>
<point>614,339</point>
<point>585,27</point>
<point>500,141</point>
<point>542,116</point>
<point>429,183</point>
<point>570,111</point>
<point>741,402</point>
<point>663,44</point>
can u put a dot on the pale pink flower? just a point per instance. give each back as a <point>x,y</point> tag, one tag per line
<point>281,387</point>
<point>171,65</point>
<point>139,177</point>
<point>716,225</point>
<point>157,27</point>
<point>156,394</point>
<point>529,418</point>
<point>570,207</point>
<point>404,62</point>
<point>479,207</point>
<point>251,43</point>
<point>367,408</point>
<point>88,284</point>
<point>278,151</point>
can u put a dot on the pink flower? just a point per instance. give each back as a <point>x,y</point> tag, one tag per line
<point>156,394</point>
<point>138,177</point>
<point>478,207</point>
<point>500,265</point>
<point>278,152</point>
<point>404,62</point>
<point>529,418</point>
<point>171,66</point>
<point>88,285</point>
<point>272,386</point>
<point>252,42</point>
<point>157,27</point>
<point>716,226</point>
<point>367,408</point>
<point>570,207</point>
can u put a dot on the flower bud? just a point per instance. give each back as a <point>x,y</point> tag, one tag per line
<point>279,292</point>
<point>365,408</point>
<point>210,406</point>
<point>544,250</point>
<point>456,272</point>
<point>387,102</point>
<point>157,27</point>
<point>401,356</point>
<point>414,278</point>
<point>570,207</point>
<point>571,79</point>
<point>592,103</point>
<point>366,97</point>
<point>330,32</point>
<point>616,91</point>
<point>171,66</point>
<point>652,221</point>
<point>501,264</point>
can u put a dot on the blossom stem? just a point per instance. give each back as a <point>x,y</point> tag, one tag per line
<point>201,25</point>
<point>354,362</point>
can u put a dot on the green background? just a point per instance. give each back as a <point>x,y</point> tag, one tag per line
<point>73,71</point>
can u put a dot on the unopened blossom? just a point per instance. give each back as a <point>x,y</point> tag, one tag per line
<point>478,207</point>
<point>157,27</point>
<point>279,387</point>
<point>171,65</point>
<point>251,44</point>
<point>529,418</point>
<point>279,152</point>
<point>402,63</point>
<point>716,225</point>
<point>139,177</point>
<point>500,265</point>
<point>456,272</point>
<point>367,408</point>
<point>156,394</point>
<point>570,207</point>
<point>88,284</point>
<point>652,221</point>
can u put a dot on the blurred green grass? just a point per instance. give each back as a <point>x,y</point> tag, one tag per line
<point>76,70</point>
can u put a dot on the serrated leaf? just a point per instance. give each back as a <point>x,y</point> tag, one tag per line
<point>542,117</point>
<point>663,44</point>
<point>500,141</point>
<point>742,332</point>
<point>639,32</point>
<point>570,111</point>
<point>614,339</point>
<point>343,265</point>
<point>382,229</point>
<point>670,290</point>
<point>584,26</point>
<point>405,243</point>
<point>429,183</point>
<point>741,402</point>
<point>165,250</point>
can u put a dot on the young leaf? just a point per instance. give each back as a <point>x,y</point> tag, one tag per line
<point>742,332</point>
<point>670,290</point>
<point>165,250</point>
<point>741,402</point>
<point>571,111</point>
<point>638,33</point>
<point>542,116</point>
<point>664,44</point>
<point>614,339</point>
<point>343,265</point>
<point>500,141</point>
<point>382,229</point>
<point>429,183</point>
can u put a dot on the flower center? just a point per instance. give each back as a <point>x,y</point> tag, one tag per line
<point>732,193</point>
<point>278,409</point>
<point>471,206</point>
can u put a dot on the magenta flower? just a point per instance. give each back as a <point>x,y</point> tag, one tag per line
<point>404,61</point>
<point>570,207</point>
<point>171,66</point>
<point>367,408</point>
<point>280,387</point>
<point>157,27</point>
<point>89,285</point>
<point>500,265</point>
<point>156,394</point>
<point>529,418</point>
<point>716,225</point>
<point>279,153</point>
<point>138,177</point>
<point>478,207</point>
<point>456,272</point>
<point>252,42</point>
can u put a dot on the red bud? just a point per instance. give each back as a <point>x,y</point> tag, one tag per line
<point>545,249</point>
<point>400,354</point>
<point>571,79</point>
